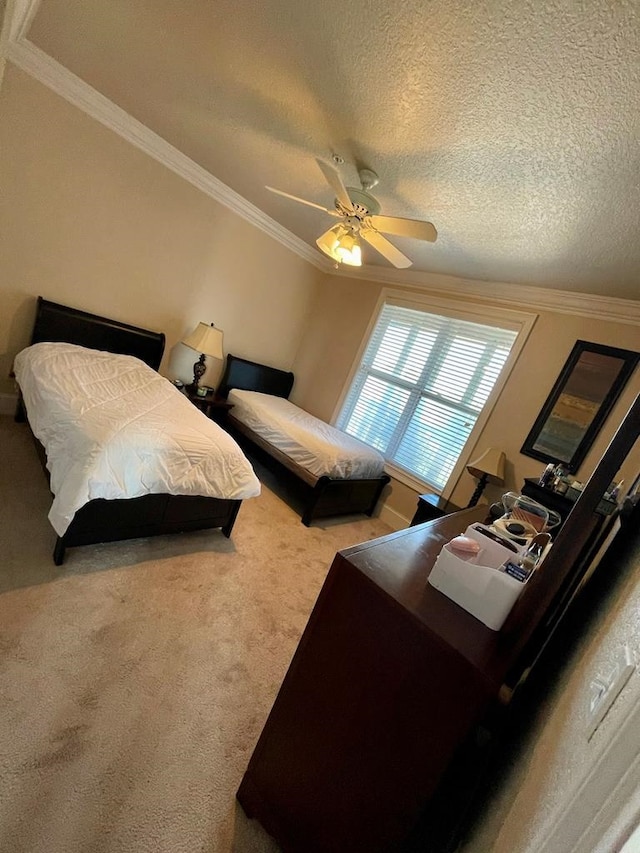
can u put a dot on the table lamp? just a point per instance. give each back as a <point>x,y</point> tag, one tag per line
<point>207,340</point>
<point>488,468</point>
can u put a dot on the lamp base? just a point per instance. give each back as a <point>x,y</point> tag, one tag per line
<point>482,482</point>
<point>199,369</point>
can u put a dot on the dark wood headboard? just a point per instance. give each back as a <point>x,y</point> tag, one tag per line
<point>252,376</point>
<point>59,323</point>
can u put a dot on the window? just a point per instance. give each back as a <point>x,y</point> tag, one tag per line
<point>420,388</point>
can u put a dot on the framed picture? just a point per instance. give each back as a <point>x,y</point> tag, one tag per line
<point>580,401</point>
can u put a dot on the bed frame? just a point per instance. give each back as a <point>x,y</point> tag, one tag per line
<point>322,496</point>
<point>111,520</point>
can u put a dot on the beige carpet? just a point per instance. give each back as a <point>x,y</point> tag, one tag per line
<point>136,678</point>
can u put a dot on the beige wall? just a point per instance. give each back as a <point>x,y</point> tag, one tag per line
<point>90,221</point>
<point>339,319</point>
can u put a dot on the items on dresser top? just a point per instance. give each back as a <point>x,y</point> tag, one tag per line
<point>485,572</point>
<point>563,503</point>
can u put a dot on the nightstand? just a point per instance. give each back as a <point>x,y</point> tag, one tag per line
<point>547,497</point>
<point>213,406</point>
<point>560,503</point>
<point>432,506</point>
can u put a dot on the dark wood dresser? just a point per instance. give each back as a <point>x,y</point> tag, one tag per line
<point>388,679</point>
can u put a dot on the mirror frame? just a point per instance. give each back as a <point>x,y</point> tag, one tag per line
<point>628,361</point>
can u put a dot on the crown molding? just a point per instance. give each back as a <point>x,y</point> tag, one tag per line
<point>63,82</point>
<point>17,19</point>
<point>606,308</point>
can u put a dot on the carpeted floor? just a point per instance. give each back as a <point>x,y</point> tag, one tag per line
<point>136,678</point>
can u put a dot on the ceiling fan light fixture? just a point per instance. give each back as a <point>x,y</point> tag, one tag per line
<point>341,245</point>
<point>361,220</point>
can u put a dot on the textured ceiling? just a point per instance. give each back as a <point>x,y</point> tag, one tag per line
<point>513,126</point>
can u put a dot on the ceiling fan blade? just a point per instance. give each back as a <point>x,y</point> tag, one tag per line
<point>405,227</point>
<point>302,201</point>
<point>334,180</point>
<point>386,249</point>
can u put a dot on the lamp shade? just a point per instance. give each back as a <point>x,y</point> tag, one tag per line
<point>489,466</point>
<point>205,339</point>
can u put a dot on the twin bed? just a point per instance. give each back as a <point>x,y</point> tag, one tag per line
<point>142,512</point>
<point>129,456</point>
<point>338,473</point>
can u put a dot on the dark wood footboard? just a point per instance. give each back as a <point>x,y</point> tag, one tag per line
<point>132,518</point>
<point>342,497</point>
<point>151,515</point>
<point>320,497</point>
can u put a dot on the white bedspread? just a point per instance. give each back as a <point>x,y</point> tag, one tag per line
<point>313,444</point>
<point>114,428</point>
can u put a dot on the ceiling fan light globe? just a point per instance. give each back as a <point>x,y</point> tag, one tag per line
<point>348,251</point>
<point>328,241</point>
<point>352,258</point>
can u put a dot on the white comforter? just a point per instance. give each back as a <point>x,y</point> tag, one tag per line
<point>313,444</point>
<point>114,428</point>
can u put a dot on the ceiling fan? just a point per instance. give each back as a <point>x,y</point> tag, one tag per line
<point>359,214</point>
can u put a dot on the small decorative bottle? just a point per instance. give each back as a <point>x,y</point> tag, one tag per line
<point>614,494</point>
<point>547,475</point>
<point>558,477</point>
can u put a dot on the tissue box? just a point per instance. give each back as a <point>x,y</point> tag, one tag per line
<point>477,584</point>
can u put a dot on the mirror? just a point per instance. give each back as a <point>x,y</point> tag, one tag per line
<point>589,384</point>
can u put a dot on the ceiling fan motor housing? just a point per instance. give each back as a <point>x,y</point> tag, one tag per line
<point>363,203</point>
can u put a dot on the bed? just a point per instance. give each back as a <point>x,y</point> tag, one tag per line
<point>329,488</point>
<point>62,331</point>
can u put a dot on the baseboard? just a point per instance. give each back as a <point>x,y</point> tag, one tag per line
<point>393,518</point>
<point>8,404</point>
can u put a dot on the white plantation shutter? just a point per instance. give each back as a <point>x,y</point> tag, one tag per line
<point>421,386</point>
